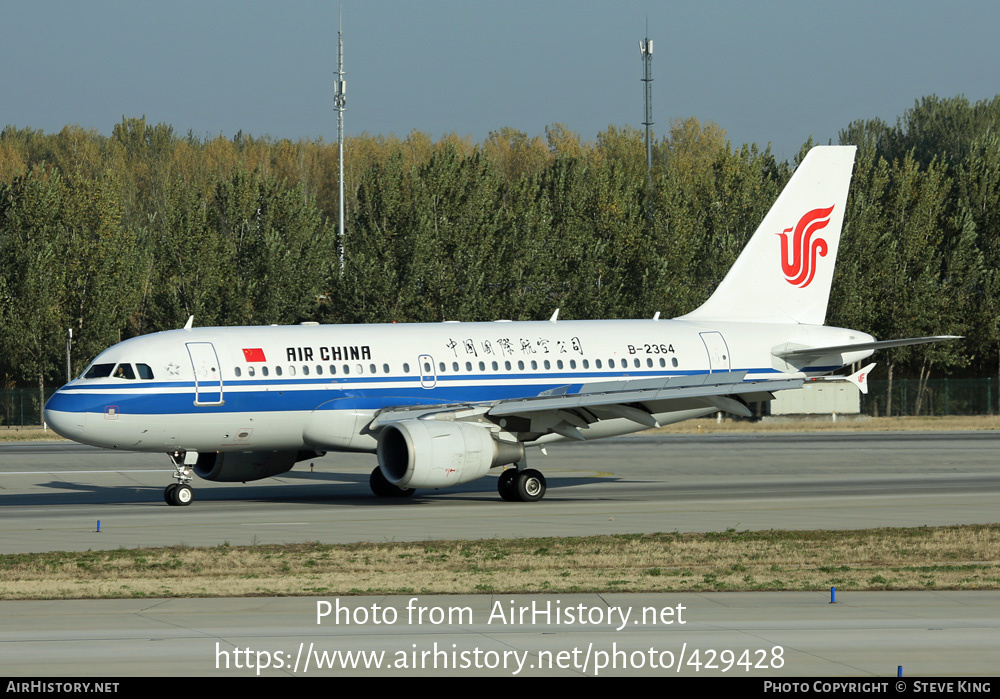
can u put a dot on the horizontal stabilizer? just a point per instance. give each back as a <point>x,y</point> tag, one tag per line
<point>785,353</point>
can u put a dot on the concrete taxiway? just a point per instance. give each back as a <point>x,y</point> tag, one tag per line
<point>763,635</point>
<point>52,495</point>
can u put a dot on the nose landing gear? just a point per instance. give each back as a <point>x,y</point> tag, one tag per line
<point>179,493</point>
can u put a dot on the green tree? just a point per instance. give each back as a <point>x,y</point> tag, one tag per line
<point>32,309</point>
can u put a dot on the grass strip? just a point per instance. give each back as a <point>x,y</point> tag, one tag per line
<point>940,558</point>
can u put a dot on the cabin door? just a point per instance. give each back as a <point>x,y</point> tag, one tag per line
<point>207,373</point>
<point>718,352</point>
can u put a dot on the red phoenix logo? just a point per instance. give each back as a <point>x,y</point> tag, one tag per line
<point>801,268</point>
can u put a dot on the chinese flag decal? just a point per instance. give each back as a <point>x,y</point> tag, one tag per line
<point>254,355</point>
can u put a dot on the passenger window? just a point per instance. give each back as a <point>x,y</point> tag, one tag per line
<point>674,361</point>
<point>347,369</point>
<point>495,366</point>
<point>586,364</point>
<point>611,363</point>
<point>249,371</point>
<point>663,362</point>
<point>636,363</point>
<point>520,365</point>
<point>263,370</point>
<point>482,366</point>
<point>360,369</point>
<point>559,364</point>
<point>649,362</point>
<point>319,370</point>
<point>468,366</point>
<point>534,365</point>
<point>597,363</point>
<point>454,366</point>
<point>441,366</point>
<point>305,370</point>
<point>144,371</point>
<point>237,371</point>
<point>572,364</point>
<point>277,370</point>
<point>548,365</point>
<point>506,365</point>
<point>333,369</point>
<point>385,368</point>
<point>371,368</point>
<point>291,370</point>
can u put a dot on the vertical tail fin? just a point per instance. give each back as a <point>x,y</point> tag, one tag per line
<point>784,273</point>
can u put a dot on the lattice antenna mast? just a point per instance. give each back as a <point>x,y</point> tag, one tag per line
<point>646,51</point>
<point>339,102</point>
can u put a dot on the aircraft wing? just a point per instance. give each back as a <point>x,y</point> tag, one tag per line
<point>567,409</point>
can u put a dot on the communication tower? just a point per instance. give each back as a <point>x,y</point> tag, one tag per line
<point>646,51</point>
<point>339,100</point>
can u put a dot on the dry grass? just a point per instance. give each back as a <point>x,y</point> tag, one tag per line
<point>939,558</point>
<point>26,434</point>
<point>844,423</point>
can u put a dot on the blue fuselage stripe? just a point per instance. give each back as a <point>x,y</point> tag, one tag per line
<point>276,395</point>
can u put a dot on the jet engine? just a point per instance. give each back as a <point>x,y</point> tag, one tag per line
<point>241,466</point>
<point>437,454</point>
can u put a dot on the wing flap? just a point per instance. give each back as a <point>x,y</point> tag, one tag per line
<point>561,412</point>
<point>707,386</point>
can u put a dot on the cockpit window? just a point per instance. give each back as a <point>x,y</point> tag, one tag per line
<point>99,371</point>
<point>124,371</point>
<point>144,371</point>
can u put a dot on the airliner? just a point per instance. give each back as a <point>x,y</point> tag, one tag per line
<point>446,403</point>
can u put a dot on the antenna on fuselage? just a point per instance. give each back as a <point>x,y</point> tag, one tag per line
<point>190,324</point>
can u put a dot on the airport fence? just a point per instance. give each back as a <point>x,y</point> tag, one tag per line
<point>20,407</point>
<point>936,397</point>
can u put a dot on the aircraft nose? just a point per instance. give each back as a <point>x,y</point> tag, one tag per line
<point>66,423</point>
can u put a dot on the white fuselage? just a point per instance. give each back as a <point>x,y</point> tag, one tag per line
<point>318,386</point>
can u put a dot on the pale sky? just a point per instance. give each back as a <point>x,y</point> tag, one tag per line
<point>767,72</point>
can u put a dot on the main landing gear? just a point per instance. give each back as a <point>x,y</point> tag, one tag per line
<point>179,493</point>
<point>521,486</point>
<point>384,489</point>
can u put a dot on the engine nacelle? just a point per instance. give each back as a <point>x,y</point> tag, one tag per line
<point>239,466</point>
<point>436,454</point>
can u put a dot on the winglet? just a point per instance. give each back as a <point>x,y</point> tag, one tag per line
<point>860,378</point>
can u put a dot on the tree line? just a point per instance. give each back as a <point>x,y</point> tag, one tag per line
<point>120,235</point>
